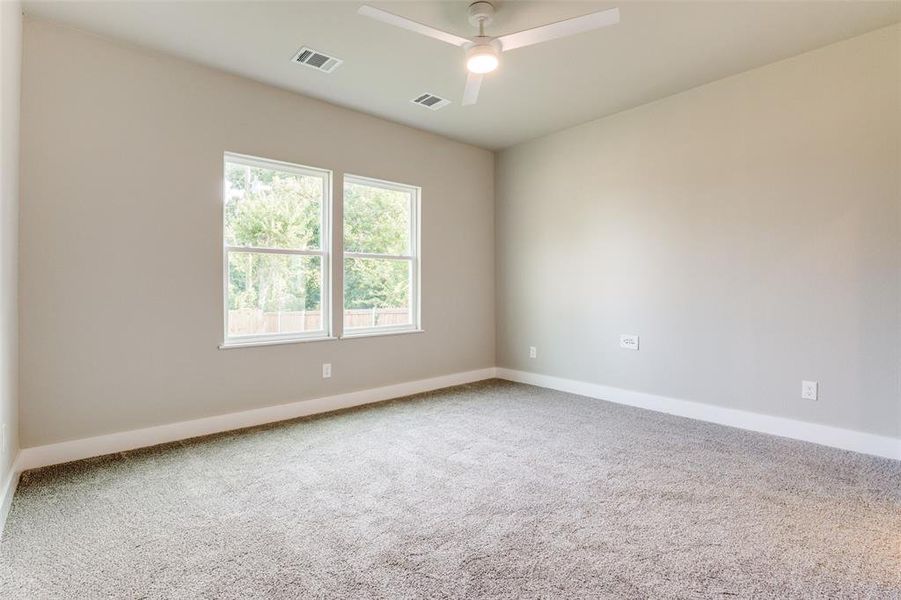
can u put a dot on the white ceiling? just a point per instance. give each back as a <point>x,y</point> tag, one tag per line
<point>658,49</point>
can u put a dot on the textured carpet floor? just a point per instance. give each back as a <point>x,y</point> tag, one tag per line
<point>491,490</point>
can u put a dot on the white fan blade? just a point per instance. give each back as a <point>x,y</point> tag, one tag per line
<point>471,91</point>
<point>392,19</point>
<point>560,29</point>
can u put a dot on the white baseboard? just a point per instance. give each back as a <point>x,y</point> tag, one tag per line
<point>846,439</point>
<point>52,454</point>
<point>8,490</point>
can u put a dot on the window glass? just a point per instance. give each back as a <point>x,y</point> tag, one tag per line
<point>276,259</point>
<point>376,220</point>
<point>381,268</point>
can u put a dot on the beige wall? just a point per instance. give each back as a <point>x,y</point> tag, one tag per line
<point>121,220</point>
<point>747,230</point>
<point>10,70</point>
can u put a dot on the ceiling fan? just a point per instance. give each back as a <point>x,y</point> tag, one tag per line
<point>483,51</point>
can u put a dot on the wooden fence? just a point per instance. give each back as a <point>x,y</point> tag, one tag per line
<point>249,321</point>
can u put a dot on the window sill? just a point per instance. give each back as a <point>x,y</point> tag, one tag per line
<point>251,344</point>
<point>370,333</point>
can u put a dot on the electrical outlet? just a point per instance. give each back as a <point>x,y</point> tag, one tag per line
<point>326,370</point>
<point>533,352</point>
<point>809,390</point>
<point>628,341</point>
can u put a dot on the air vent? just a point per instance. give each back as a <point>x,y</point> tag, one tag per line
<point>430,101</point>
<point>316,60</point>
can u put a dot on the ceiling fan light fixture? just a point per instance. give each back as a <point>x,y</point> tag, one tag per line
<point>482,58</point>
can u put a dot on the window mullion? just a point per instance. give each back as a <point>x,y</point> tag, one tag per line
<point>256,250</point>
<point>377,256</point>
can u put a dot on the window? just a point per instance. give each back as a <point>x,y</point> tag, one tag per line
<point>381,256</point>
<point>276,257</point>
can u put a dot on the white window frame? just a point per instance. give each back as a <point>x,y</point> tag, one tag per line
<point>413,258</point>
<point>324,252</point>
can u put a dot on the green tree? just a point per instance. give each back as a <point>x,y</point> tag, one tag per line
<point>267,208</point>
<point>376,220</point>
<point>273,209</point>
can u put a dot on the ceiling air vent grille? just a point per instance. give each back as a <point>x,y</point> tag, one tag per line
<point>316,60</point>
<point>430,101</point>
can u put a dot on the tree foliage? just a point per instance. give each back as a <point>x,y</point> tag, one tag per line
<point>377,221</point>
<point>274,209</point>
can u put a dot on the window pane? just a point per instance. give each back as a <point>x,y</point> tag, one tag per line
<point>376,220</point>
<point>376,292</point>
<point>273,293</point>
<point>268,208</point>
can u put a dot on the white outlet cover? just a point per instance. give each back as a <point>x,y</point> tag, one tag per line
<point>326,370</point>
<point>533,352</point>
<point>809,390</point>
<point>628,341</point>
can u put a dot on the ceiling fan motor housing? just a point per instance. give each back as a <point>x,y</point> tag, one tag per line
<point>481,13</point>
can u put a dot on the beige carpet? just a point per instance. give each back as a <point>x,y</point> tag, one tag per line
<point>492,490</point>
